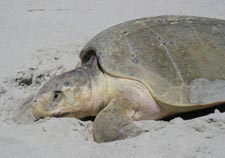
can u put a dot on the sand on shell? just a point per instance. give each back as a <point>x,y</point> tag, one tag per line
<point>40,39</point>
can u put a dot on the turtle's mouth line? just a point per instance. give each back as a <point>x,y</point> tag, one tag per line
<point>57,115</point>
<point>62,114</point>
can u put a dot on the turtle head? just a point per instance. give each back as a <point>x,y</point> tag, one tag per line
<point>70,94</point>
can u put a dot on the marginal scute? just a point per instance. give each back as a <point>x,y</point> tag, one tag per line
<point>166,54</point>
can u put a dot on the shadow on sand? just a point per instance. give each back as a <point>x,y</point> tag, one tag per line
<point>196,114</point>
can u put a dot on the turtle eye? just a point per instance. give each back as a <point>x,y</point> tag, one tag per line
<point>67,83</point>
<point>57,95</point>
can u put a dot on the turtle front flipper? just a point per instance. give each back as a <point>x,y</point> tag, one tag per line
<point>113,123</point>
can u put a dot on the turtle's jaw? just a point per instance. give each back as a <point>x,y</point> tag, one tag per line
<point>40,110</point>
<point>46,106</point>
<point>40,107</point>
<point>63,104</point>
<point>39,113</point>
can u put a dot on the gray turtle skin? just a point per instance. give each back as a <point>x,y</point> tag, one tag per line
<point>143,69</point>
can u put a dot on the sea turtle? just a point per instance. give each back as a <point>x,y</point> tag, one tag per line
<point>144,69</point>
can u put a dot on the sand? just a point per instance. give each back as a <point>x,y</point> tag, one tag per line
<point>40,39</point>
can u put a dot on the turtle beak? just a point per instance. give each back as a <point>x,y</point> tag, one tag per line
<point>48,105</point>
<point>40,106</point>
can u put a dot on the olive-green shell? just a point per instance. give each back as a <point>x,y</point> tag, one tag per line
<point>164,53</point>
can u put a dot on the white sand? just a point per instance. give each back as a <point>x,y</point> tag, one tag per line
<point>39,39</point>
